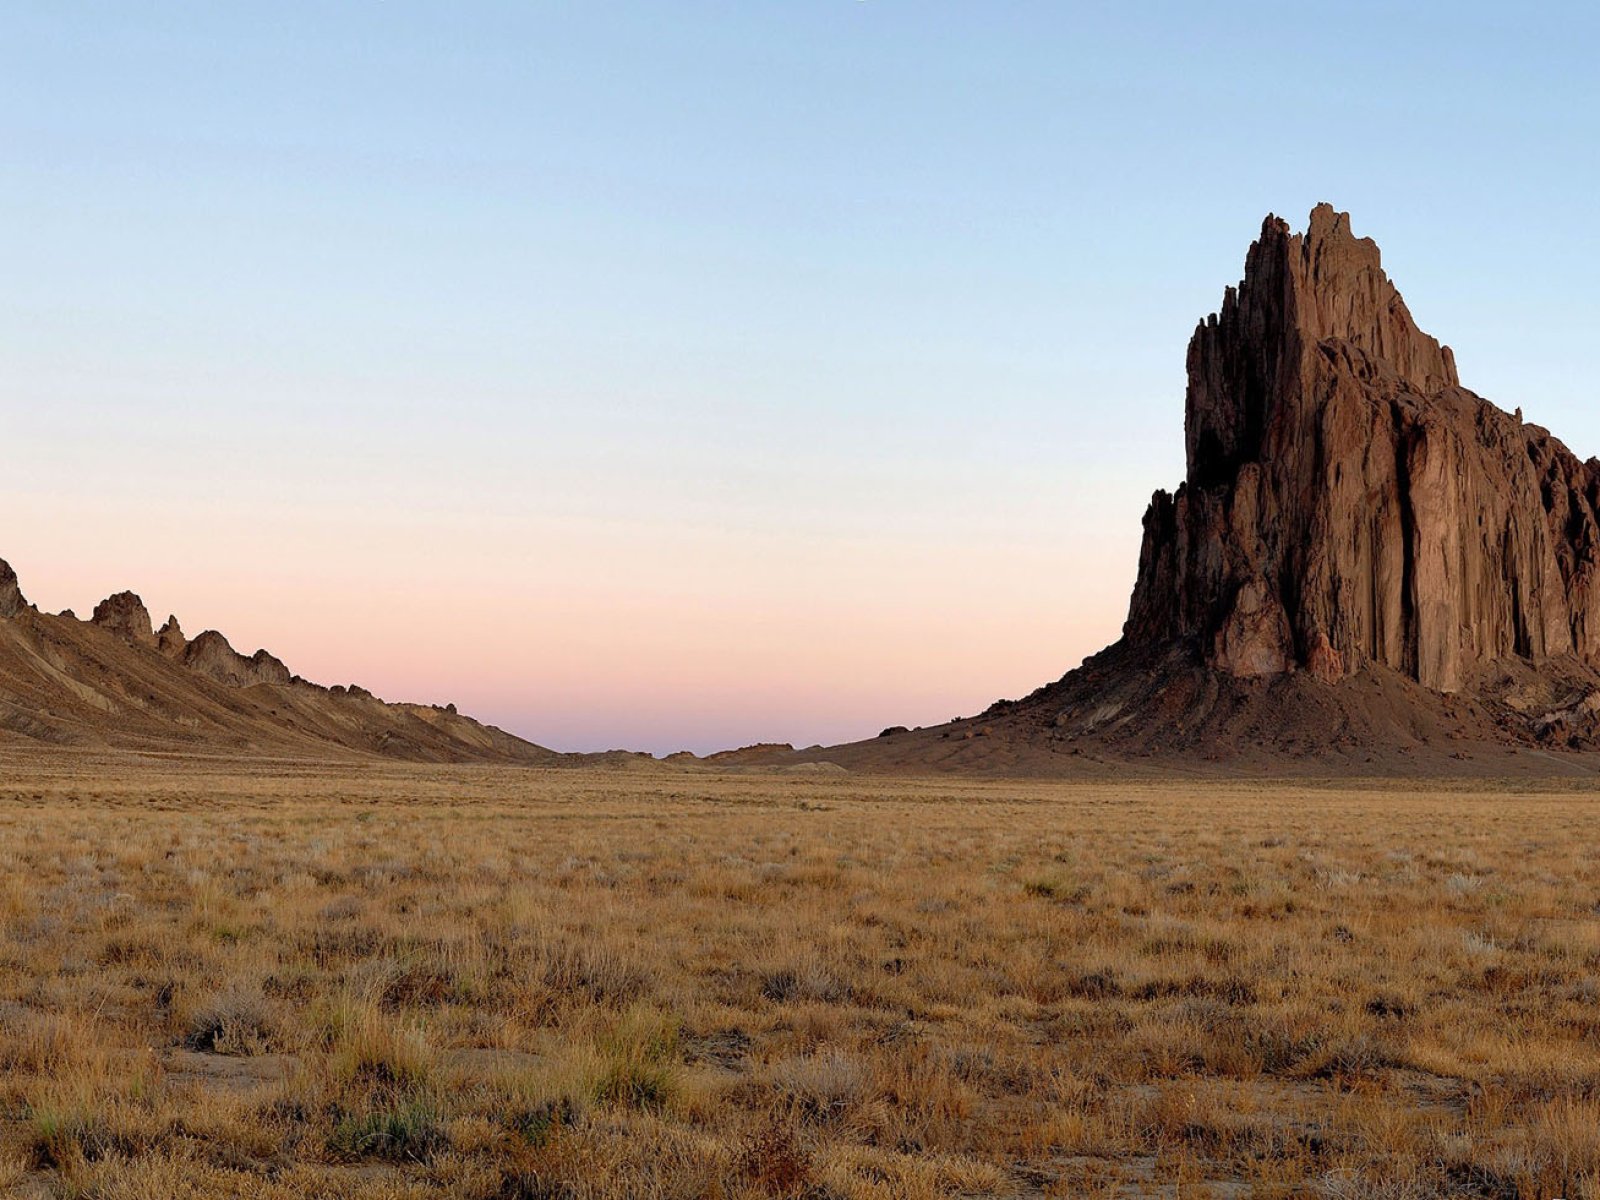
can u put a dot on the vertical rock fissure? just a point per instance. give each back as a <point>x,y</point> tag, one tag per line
<point>1409,633</point>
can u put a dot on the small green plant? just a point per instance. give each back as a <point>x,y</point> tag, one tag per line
<point>641,1068</point>
<point>409,1132</point>
<point>644,1086</point>
<point>61,1137</point>
<point>535,1124</point>
<point>1055,888</point>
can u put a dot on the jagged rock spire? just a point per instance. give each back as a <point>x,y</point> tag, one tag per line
<point>1346,501</point>
<point>125,615</point>
<point>1298,291</point>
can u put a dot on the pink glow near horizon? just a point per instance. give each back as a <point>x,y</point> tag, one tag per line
<point>597,638</point>
<point>651,375</point>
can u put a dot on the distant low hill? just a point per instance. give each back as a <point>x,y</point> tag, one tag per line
<point>115,682</point>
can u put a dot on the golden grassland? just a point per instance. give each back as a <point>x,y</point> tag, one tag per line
<point>291,981</point>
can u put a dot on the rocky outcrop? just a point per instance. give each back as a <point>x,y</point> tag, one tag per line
<point>1367,570</point>
<point>170,640</point>
<point>1347,502</point>
<point>12,601</point>
<point>111,682</point>
<point>211,655</point>
<point>124,615</point>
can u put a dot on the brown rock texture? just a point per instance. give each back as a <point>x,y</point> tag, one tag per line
<point>211,655</point>
<point>12,601</point>
<point>1347,502</point>
<point>170,640</point>
<point>124,615</point>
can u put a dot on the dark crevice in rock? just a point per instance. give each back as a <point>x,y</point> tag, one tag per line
<point>1408,544</point>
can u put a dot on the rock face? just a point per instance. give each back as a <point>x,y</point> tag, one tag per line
<point>125,615</point>
<point>1348,502</point>
<point>170,640</point>
<point>211,655</point>
<point>12,600</point>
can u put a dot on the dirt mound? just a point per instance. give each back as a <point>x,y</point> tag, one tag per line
<point>1129,712</point>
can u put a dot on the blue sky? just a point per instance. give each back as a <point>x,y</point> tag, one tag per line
<point>687,374</point>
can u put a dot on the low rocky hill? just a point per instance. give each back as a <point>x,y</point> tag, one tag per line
<point>114,682</point>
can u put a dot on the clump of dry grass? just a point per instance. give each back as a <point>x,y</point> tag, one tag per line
<point>821,1087</point>
<point>239,1020</point>
<point>498,984</point>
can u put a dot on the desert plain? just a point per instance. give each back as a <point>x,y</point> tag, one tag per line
<point>286,979</point>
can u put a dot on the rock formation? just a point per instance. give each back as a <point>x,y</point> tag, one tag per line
<point>170,640</point>
<point>211,655</point>
<point>1347,501</point>
<point>12,601</point>
<point>113,683</point>
<point>125,615</point>
<point>1367,568</point>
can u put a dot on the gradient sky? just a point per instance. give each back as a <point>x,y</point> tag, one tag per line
<point>687,374</point>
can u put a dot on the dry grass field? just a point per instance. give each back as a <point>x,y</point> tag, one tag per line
<point>508,984</point>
